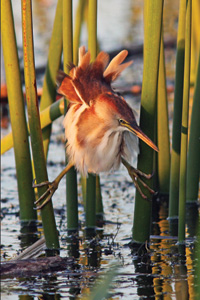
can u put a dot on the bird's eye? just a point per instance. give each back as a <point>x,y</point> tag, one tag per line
<point>121,122</point>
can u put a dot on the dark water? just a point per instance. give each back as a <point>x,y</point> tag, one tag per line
<point>160,272</point>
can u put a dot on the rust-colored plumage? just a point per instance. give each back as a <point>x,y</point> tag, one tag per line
<point>100,127</point>
<point>96,137</point>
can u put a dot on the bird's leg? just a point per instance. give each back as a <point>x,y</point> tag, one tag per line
<point>52,186</point>
<point>136,176</point>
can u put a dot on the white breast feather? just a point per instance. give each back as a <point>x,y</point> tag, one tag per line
<point>89,159</point>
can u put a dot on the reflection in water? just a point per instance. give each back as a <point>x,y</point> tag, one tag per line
<point>73,246</point>
<point>144,278</point>
<point>192,215</point>
<point>26,297</point>
<point>164,271</point>
<point>28,234</point>
<point>172,264</point>
<point>49,297</point>
<point>92,254</point>
<point>190,261</point>
<point>181,285</point>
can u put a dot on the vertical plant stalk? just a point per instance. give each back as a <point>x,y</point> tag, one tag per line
<point>84,188</point>
<point>184,126</point>
<point>99,200</point>
<point>90,203</point>
<point>176,131</point>
<point>92,28</point>
<point>48,220</point>
<point>77,30</point>
<point>153,11</point>
<point>71,177</point>
<point>53,64</point>
<point>193,163</point>
<point>99,203</point>
<point>67,34</point>
<point>17,115</point>
<point>91,180</point>
<point>163,127</point>
<point>195,39</point>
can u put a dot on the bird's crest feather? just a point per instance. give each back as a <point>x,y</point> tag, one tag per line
<point>87,80</point>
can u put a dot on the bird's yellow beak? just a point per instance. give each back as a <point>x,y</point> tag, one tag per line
<point>141,135</point>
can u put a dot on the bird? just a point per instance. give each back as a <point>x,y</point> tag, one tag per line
<point>100,126</point>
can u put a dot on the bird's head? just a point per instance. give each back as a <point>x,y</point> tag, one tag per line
<point>118,116</point>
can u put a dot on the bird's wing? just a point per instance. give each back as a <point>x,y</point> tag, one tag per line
<point>66,88</point>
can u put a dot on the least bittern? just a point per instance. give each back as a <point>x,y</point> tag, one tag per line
<point>99,124</point>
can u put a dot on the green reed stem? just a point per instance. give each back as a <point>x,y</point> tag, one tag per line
<point>184,126</point>
<point>163,127</point>
<point>92,28</point>
<point>90,202</point>
<point>17,114</point>
<point>195,39</point>
<point>152,33</point>
<point>99,203</point>
<point>52,112</point>
<point>71,176</point>
<point>77,29</point>
<point>176,131</point>
<point>48,220</point>
<point>91,180</point>
<point>84,188</point>
<point>53,64</point>
<point>193,168</point>
<point>47,116</point>
<point>67,34</point>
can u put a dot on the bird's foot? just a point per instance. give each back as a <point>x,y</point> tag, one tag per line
<point>52,187</point>
<point>137,176</point>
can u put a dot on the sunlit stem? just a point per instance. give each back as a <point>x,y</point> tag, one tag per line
<point>163,127</point>
<point>17,114</point>
<point>77,29</point>
<point>53,64</point>
<point>176,131</point>
<point>153,13</point>
<point>193,168</point>
<point>48,219</point>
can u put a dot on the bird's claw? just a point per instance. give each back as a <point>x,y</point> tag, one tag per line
<point>52,187</point>
<point>141,174</point>
<point>136,176</point>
